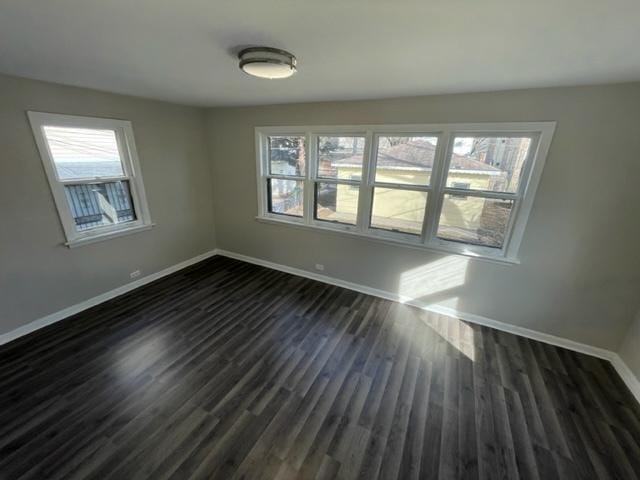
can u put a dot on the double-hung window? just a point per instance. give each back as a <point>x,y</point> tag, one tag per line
<point>285,174</point>
<point>462,188</point>
<point>338,177</point>
<point>93,171</point>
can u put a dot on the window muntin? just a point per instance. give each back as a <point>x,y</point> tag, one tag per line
<point>416,208</point>
<point>91,164</point>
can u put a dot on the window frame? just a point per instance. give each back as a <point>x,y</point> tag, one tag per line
<point>262,146</point>
<point>428,189</point>
<point>316,178</point>
<point>131,173</point>
<point>541,134</point>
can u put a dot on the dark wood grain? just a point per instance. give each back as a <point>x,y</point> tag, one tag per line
<point>233,371</point>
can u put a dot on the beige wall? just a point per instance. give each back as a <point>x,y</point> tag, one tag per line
<point>38,275</point>
<point>579,275</point>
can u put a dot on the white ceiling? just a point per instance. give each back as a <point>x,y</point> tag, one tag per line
<point>184,50</point>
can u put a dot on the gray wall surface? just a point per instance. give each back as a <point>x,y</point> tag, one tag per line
<point>579,272</point>
<point>38,275</point>
<point>630,348</point>
<point>579,275</point>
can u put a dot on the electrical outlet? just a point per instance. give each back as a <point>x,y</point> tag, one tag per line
<point>134,274</point>
<point>320,267</point>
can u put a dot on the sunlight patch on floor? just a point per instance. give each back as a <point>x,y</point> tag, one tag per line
<point>457,333</point>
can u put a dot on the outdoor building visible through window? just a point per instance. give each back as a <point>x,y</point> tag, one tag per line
<point>398,210</point>
<point>329,209</point>
<point>340,161</point>
<point>461,188</point>
<point>500,159</point>
<point>405,159</point>
<point>340,157</point>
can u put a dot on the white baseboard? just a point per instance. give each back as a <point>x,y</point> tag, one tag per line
<point>92,302</point>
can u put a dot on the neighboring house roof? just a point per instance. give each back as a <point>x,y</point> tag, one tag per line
<point>417,155</point>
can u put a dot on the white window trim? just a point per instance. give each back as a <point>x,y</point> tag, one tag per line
<point>540,132</point>
<point>132,173</point>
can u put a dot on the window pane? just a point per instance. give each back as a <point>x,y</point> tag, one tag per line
<point>337,202</point>
<point>100,204</point>
<point>287,155</point>
<point>405,160</point>
<point>401,210</point>
<point>474,220</point>
<point>285,196</point>
<point>488,163</point>
<point>340,157</point>
<point>83,152</point>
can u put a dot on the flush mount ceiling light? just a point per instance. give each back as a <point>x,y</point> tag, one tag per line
<point>267,62</point>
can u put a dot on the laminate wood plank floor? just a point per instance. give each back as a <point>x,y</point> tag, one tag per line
<point>227,370</point>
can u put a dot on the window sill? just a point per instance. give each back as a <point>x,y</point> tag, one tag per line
<point>389,241</point>
<point>88,240</point>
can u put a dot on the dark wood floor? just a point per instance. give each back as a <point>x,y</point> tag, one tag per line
<point>228,370</point>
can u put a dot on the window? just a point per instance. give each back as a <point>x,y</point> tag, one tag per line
<point>339,175</point>
<point>92,167</point>
<point>478,210</point>
<point>285,180</point>
<point>402,179</point>
<point>462,188</point>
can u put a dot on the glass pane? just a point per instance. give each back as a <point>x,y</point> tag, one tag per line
<point>100,204</point>
<point>488,163</point>
<point>401,210</point>
<point>337,202</point>
<point>340,157</point>
<point>83,152</point>
<point>287,155</point>
<point>405,160</point>
<point>474,220</point>
<point>285,196</point>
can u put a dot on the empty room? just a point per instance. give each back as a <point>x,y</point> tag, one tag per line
<point>275,240</point>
